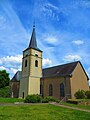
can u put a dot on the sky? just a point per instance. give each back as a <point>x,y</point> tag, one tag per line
<point>62,31</point>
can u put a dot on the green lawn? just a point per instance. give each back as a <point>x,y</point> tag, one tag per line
<point>87,107</point>
<point>10,100</point>
<point>41,112</point>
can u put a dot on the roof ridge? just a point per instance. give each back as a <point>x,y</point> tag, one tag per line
<point>61,65</point>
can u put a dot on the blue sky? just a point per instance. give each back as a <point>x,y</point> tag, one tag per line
<point>62,31</point>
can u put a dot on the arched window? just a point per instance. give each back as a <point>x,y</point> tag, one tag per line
<point>36,63</point>
<point>25,63</point>
<point>62,91</point>
<point>50,90</point>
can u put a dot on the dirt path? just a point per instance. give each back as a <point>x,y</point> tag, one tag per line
<point>74,108</point>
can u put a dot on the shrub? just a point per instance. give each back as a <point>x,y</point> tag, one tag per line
<point>49,99</point>
<point>33,99</point>
<point>87,93</point>
<point>80,94</point>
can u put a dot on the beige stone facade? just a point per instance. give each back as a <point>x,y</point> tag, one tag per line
<point>31,74</point>
<point>77,80</point>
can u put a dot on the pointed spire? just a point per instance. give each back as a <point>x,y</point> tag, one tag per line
<point>33,42</point>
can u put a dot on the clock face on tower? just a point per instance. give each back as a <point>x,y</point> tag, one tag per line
<point>36,53</point>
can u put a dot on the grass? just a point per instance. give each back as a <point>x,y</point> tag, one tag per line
<point>41,112</point>
<point>10,100</point>
<point>87,107</point>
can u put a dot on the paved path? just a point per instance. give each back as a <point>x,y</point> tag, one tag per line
<point>74,108</point>
<point>21,104</point>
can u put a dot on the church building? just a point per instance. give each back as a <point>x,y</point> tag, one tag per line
<point>57,81</point>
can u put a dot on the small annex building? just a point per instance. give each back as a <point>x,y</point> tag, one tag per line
<point>14,85</point>
<point>57,81</point>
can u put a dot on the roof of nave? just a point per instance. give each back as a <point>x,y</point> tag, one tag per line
<point>61,70</point>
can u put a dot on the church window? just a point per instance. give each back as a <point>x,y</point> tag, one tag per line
<point>62,91</point>
<point>36,63</point>
<point>25,63</point>
<point>50,90</point>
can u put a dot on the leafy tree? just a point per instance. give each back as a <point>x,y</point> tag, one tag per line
<point>4,78</point>
<point>4,92</point>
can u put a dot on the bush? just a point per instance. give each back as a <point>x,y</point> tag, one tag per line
<point>80,94</point>
<point>33,99</point>
<point>49,99</point>
<point>4,92</point>
<point>87,93</point>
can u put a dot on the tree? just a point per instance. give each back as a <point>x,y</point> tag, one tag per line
<point>4,78</point>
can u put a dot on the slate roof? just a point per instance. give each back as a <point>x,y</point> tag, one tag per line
<point>61,70</point>
<point>33,42</point>
<point>16,77</point>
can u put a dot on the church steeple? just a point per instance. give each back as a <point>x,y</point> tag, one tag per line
<point>31,68</point>
<point>33,42</point>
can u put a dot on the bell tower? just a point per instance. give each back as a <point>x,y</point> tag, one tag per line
<point>31,68</point>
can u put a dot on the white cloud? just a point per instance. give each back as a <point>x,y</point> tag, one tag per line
<point>12,59</point>
<point>11,64</point>
<point>46,62</point>
<point>13,70</point>
<point>51,39</point>
<point>70,58</point>
<point>78,42</point>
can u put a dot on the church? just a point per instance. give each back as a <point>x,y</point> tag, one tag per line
<point>57,81</point>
